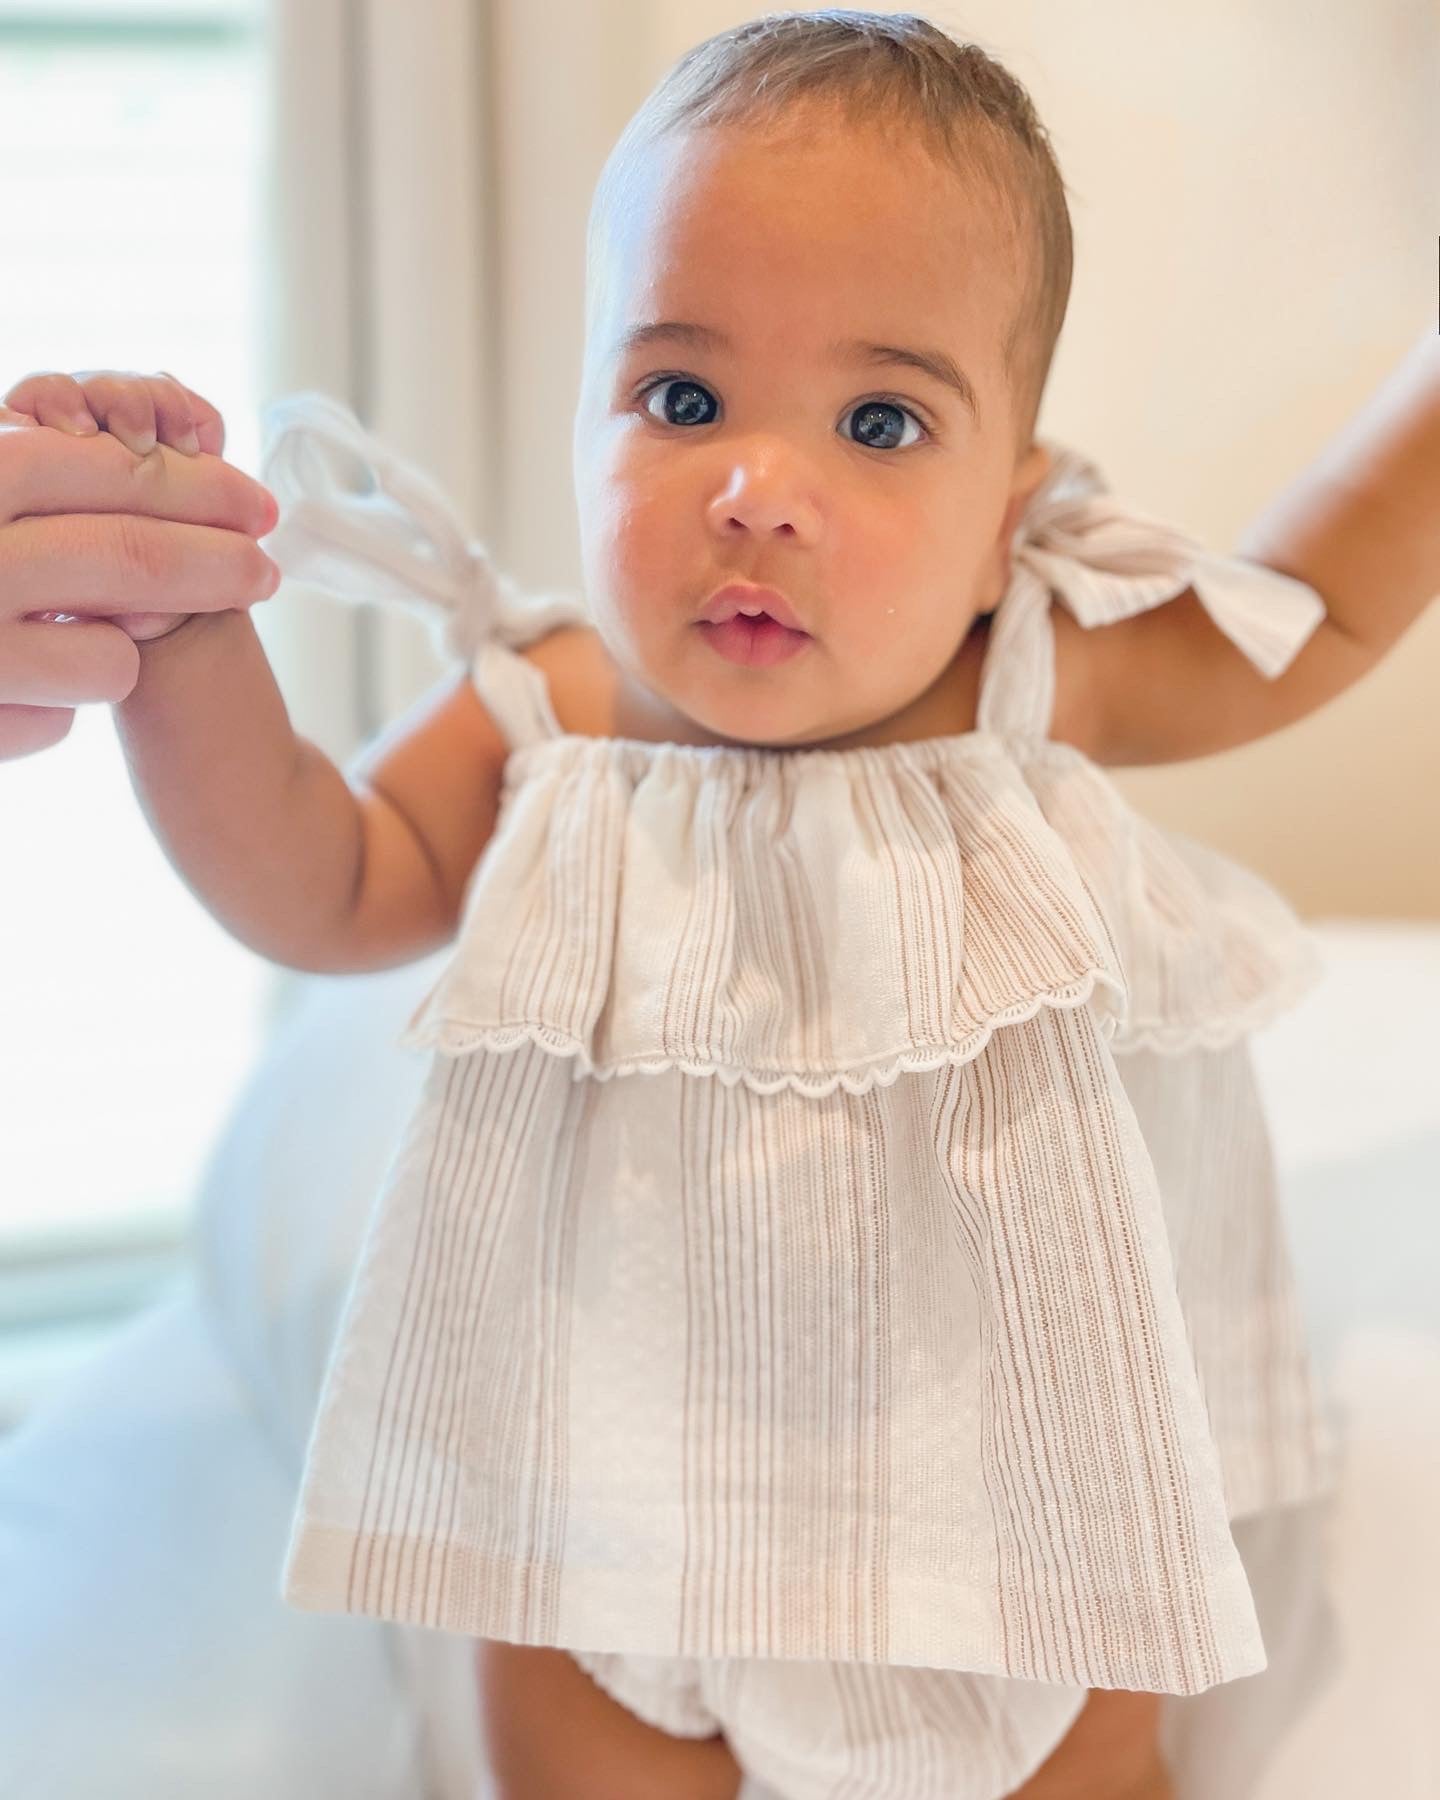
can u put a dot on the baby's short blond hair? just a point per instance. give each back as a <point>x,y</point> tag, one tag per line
<point>965,107</point>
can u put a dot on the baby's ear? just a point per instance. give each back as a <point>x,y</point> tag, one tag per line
<point>1030,472</point>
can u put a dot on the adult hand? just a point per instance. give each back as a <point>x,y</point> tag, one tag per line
<point>103,545</point>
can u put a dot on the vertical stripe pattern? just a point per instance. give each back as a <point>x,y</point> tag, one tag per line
<point>671,1367</point>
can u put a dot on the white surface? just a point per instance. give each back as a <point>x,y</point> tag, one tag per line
<point>145,1653</point>
<point>1352,1082</point>
<point>1356,1068</point>
<point>1376,1731</point>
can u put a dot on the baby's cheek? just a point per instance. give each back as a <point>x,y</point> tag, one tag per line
<point>653,564</point>
<point>632,595</point>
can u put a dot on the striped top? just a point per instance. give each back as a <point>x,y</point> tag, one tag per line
<point>839,1222</point>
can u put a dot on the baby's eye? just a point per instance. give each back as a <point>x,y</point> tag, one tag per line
<point>688,406</point>
<point>877,424</point>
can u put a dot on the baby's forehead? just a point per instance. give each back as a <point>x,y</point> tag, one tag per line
<point>745,217</point>
<point>768,187</point>
<point>809,145</point>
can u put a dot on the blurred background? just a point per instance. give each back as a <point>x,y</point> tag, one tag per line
<point>386,201</point>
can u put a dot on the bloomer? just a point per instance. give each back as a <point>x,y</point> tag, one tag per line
<point>833,1730</point>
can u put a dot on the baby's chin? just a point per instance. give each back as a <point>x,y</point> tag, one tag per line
<point>780,721</point>
<point>762,721</point>
<point>730,710</point>
<point>735,721</point>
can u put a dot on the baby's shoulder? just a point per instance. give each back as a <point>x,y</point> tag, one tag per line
<point>580,677</point>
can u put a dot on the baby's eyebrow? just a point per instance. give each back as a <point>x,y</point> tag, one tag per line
<point>938,364</point>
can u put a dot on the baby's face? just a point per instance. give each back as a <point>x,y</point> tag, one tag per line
<point>760,445</point>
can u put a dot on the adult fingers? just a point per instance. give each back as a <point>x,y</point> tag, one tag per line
<point>46,472</point>
<point>100,563</point>
<point>44,664</point>
<point>26,729</point>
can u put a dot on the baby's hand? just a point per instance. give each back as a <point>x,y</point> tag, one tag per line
<point>142,411</point>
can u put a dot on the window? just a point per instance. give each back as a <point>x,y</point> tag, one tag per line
<point>132,145</point>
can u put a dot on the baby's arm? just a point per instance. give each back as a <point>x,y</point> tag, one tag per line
<point>1361,525</point>
<point>309,868</point>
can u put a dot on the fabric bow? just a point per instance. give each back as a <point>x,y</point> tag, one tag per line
<point>361,523</point>
<point>1107,561</point>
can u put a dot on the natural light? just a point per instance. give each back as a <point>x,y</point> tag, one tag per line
<point>131,168</point>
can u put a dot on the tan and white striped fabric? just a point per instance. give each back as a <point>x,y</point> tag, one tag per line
<point>833,1282</point>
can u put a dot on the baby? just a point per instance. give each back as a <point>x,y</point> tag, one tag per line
<point>787,1340</point>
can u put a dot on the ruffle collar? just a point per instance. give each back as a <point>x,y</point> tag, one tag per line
<point>835,919</point>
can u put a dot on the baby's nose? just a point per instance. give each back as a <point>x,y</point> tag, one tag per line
<point>766,496</point>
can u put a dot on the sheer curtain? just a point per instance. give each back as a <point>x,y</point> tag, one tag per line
<point>381,235</point>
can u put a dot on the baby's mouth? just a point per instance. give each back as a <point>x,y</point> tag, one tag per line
<point>754,639</point>
<point>751,600</point>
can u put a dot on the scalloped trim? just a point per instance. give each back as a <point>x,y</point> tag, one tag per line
<point>460,1040</point>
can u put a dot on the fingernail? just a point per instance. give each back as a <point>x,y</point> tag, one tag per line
<point>144,443</point>
<point>82,424</point>
<point>189,445</point>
